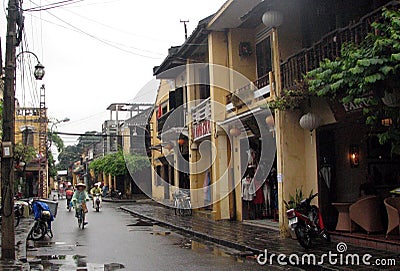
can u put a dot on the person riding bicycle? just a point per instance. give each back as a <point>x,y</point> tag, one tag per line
<point>96,190</point>
<point>80,196</point>
<point>69,193</point>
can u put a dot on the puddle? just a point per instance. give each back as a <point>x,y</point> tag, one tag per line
<point>218,251</point>
<point>70,262</point>
<point>141,223</point>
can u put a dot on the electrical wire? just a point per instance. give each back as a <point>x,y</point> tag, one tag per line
<point>99,39</point>
<point>53,5</point>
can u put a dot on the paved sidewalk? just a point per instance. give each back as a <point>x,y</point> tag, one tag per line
<point>250,238</point>
<point>21,234</point>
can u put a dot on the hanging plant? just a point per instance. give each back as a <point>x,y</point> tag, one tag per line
<point>367,74</point>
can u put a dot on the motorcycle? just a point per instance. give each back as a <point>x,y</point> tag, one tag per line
<point>42,225</point>
<point>18,213</point>
<point>97,202</point>
<point>306,221</point>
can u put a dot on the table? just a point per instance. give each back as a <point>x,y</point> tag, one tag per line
<point>344,221</point>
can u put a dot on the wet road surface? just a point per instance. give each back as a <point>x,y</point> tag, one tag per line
<point>114,240</point>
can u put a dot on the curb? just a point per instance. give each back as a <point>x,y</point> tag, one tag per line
<point>118,200</point>
<point>213,239</point>
<point>197,234</point>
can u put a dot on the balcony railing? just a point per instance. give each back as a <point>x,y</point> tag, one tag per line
<point>202,111</point>
<point>329,47</point>
<point>252,92</point>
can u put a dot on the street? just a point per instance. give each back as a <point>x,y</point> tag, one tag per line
<point>115,240</point>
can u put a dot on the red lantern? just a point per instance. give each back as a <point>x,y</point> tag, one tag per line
<point>181,141</point>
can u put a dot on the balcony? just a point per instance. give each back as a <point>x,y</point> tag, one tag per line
<point>251,93</point>
<point>202,111</point>
<point>329,47</point>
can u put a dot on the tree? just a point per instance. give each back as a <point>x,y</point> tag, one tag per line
<point>364,74</point>
<point>73,153</point>
<point>117,164</point>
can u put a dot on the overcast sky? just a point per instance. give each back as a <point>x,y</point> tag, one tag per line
<point>98,52</point>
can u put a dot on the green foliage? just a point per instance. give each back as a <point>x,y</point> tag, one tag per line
<point>296,199</point>
<point>24,153</point>
<point>71,154</point>
<point>291,99</point>
<point>117,164</point>
<point>364,73</point>
<point>57,141</point>
<point>361,76</point>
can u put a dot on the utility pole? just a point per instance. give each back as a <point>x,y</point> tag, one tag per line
<point>185,26</point>
<point>7,163</point>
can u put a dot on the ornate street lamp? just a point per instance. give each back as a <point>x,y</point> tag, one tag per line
<point>39,68</point>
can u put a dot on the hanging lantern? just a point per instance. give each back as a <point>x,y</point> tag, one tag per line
<point>169,146</point>
<point>270,123</point>
<point>235,131</point>
<point>310,121</point>
<point>391,99</point>
<point>181,141</point>
<point>272,18</point>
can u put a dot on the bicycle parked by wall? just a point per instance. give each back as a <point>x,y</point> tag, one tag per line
<point>182,203</point>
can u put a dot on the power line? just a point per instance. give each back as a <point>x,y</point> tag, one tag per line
<point>99,39</point>
<point>53,5</point>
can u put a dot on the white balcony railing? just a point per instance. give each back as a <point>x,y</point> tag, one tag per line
<point>202,111</point>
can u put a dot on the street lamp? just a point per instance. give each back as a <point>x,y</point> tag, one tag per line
<point>39,68</point>
<point>54,125</point>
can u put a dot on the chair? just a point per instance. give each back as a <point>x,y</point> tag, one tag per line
<point>366,213</point>
<point>392,208</point>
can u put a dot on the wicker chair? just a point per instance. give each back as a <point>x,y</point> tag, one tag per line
<point>392,208</point>
<point>366,213</point>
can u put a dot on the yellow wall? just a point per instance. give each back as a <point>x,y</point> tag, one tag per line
<point>22,121</point>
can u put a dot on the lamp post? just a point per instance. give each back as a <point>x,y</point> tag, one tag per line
<point>8,142</point>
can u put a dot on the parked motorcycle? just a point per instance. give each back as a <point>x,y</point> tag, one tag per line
<point>18,212</point>
<point>43,219</point>
<point>97,202</point>
<point>306,221</point>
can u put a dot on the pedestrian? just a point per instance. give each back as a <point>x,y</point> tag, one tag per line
<point>80,198</point>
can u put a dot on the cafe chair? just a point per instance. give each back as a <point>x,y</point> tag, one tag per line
<point>366,213</point>
<point>392,208</point>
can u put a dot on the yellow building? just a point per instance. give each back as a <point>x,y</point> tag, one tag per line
<point>245,55</point>
<point>27,132</point>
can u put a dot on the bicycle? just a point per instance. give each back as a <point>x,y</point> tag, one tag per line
<point>81,215</point>
<point>182,204</point>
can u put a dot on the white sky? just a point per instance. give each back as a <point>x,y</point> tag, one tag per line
<point>84,75</point>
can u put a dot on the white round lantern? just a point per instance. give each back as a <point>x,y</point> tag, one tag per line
<point>272,18</point>
<point>310,121</point>
<point>391,99</point>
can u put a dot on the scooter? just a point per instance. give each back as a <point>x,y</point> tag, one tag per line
<point>306,221</point>
<point>97,202</point>
<point>42,225</point>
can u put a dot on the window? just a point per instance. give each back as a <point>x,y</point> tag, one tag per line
<point>264,57</point>
<point>27,136</point>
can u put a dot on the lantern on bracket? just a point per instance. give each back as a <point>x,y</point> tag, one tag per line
<point>310,121</point>
<point>272,18</point>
